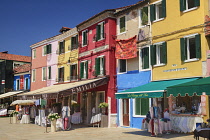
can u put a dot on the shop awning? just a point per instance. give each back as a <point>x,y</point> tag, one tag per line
<point>12,93</point>
<point>66,89</point>
<point>151,90</point>
<point>197,86</point>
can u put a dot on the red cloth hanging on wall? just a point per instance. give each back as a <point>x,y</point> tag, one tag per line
<point>126,49</point>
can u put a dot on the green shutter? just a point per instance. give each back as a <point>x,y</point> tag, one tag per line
<point>144,106</point>
<point>98,32</point>
<point>163,8</point>
<point>103,35</point>
<point>64,46</point>
<point>182,5</point>
<point>145,59</point>
<point>86,68</point>
<point>197,3</point>
<point>122,24</point>
<point>103,63</point>
<point>97,66</point>
<point>164,53</point>
<point>198,45</point>
<point>81,70</point>
<point>137,106</point>
<point>153,54</point>
<point>60,47</point>
<point>183,49</point>
<point>152,13</point>
<point>45,50</point>
<point>49,48</point>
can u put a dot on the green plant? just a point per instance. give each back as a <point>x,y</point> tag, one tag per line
<point>15,112</point>
<point>53,116</point>
<point>103,105</point>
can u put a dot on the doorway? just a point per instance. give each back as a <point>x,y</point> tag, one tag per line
<point>125,112</point>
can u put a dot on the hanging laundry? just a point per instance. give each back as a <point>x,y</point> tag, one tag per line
<point>126,49</point>
<point>141,35</point>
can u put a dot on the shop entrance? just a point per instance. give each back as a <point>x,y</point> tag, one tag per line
<point>126,112</point>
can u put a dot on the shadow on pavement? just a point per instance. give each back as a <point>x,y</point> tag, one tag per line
<point>163,136</point>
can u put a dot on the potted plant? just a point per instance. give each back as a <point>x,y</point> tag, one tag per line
<point>53,117</point>
<point>103,106</point>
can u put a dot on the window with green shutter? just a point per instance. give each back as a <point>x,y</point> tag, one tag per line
<point>49,72</point>
<point>84,38</point>
<point>190,47</point>
<point>145,58</point>
<point>100,31</point>
<point>141,106</point>
<point>188,4</point>
<point>84,70</point>
<point>158,10</point>
<point>144,16</point>
<point>81,70</point>
<point>74,42</point>
<point>62,47</point>
<point>100,65</point>
<point>122,24</point>
<point>49,49</point>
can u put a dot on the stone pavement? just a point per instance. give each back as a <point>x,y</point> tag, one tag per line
<point>33,132</point>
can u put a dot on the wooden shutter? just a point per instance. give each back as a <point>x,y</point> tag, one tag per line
<point>86,68</point>
<point>97,66</point>
<point>77,42</point>
<point>152,13</point>
<point>98,32</point>
<point>60,47</point>
<point>182,5</point>
<point>103,33</point>
<point>197,3</point>
<point>81,70</point>
<point>103,63</point>
<point>183,49</point>
<point>50,48</point>
<point>163,8</point>
<point>153,54</point>
<point>198,45</point>
<point>145,55</point>
<point>164,53</point>
<point>64,46</point>
<point>137,106</point>
<point>144,106</point>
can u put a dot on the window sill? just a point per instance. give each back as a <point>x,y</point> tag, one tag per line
<point>122,72</point>
<point>191,60</point>
<point>143,26</point>
<point>100,39</point>
<point>142,116</point>
<point>159,65</point>
<point>121,33</point>
<point>84,45</point>
<point>145,69</point>
<point>191,9</point>
<point>160,19</point>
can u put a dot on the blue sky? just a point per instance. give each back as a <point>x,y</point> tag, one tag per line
<point>25,22</point>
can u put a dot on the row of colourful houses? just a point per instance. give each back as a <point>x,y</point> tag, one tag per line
<point>125,57</point>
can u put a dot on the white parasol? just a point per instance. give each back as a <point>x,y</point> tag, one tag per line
<point>22,102</point>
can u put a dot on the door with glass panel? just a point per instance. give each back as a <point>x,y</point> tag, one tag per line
<point>126,112</point>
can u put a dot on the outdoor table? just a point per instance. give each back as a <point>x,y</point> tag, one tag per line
<point>25,119</point>
<point>203,132</point>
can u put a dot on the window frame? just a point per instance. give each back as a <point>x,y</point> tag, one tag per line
<point>119,27</point>
<point>141,59</point>
<point>153,10</point>
<point>184,5</point>
<point>134,107</point>
<point>33,53</point>
<point>85,70</point>
<point>49,72</point>
<point>44,73</point>
<point>33,75</point>
<point>83,45</point>
<point>126,69</point>
<point>26,83</point>
<point>140,16</point>
<point>100,70</point>
<point>74,45</point>
<point>61,79</point>
<point>76,66</point>
<point>62,47</point>
<point>17,84</point>
<point>102,31</point>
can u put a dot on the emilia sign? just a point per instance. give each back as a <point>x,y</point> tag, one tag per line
<point>139,95</point>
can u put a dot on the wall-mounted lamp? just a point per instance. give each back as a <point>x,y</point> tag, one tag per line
<point>69,61</point>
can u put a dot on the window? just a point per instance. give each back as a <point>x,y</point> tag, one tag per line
<point>74,42</point>
<point>100,31</point>
<point>84,70</point>
<point>190,47</point>
<point>158,53</point>
<point>73,72</point>
<point>84,38</point>
<point>26,83</point>
<point>18,84</point>
<point>44,74</point>
<point>62,47</point>
<point>145,57</point>
<point>122,65</point>
<point>158,10</point>
<point>61,74</point>
<point>141,106</point>
<point>122,24</point>
<point>49,72</point>
<point>47,49</point>
<point>143,16</point>
<point>101,97</point>
<point>189,4</point>
<point>33,75</point>
<point>34,53</point>
<point>100,65</point>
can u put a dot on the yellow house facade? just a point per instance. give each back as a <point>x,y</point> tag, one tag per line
<point>68,56</point>
<point>181,26</point>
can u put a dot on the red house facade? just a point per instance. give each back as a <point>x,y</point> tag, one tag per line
<point>97,61</point>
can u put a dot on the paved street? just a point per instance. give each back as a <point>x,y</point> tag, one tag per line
<point>33,132</point>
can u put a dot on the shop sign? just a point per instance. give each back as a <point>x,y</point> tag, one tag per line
<point>178,69</point>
